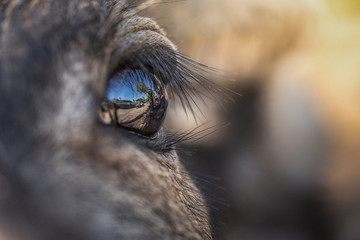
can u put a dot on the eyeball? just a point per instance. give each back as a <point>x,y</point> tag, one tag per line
<point>135,101</point>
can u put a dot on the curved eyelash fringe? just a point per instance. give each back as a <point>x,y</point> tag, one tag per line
<point>187,80</point>
<point>192,80</point>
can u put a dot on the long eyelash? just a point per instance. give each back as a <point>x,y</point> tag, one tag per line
<point>171,141</point>
<point>192,80</point>
<point>187,80</point>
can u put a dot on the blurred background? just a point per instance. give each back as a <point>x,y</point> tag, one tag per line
<point>288,166</point>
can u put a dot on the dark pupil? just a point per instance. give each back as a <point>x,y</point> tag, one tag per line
<point>136,101</point>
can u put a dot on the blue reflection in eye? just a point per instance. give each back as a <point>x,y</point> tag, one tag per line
<point>136,101</point>
<point>128,85</point>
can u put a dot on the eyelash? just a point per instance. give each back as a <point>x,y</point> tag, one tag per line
<point>170,141</point>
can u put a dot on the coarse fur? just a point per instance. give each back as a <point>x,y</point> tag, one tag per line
<point>63,174</point>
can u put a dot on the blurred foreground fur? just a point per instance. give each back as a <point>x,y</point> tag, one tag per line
<point>290,159</point>
<point>63,175</point>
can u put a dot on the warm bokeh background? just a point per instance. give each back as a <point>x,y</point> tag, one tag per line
<point>289,163</point>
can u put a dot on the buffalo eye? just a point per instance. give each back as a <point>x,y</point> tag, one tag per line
<point>135,100</point>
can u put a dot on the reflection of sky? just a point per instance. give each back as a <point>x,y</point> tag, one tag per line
<point>123,85</point>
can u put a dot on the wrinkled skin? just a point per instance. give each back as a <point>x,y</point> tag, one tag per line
<point>63,174</point>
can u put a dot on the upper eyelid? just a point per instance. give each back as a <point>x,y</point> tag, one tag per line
<point>130,37</point>
<point>136,24</point>
<point>143,48</point>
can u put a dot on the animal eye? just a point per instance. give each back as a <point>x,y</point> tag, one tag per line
<point>136,101</point>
